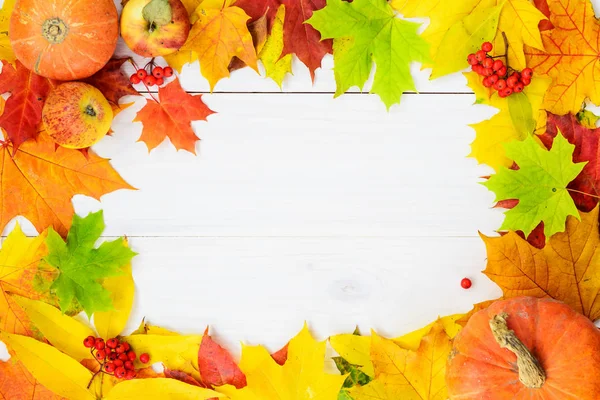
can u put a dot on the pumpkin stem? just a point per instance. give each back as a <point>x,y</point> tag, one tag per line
<point>531,373</point>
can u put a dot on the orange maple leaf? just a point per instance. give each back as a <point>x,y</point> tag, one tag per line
<point>23,109</point>
<point>566,269</point>
<point>171,116</point>
<point>40,180</point>
<point>571,58</point>
<point>16,383</point>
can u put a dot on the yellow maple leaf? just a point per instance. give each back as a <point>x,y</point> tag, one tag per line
<point>6,51</point>
<point>571,58</point>
<point>302,377</point>
<point>408,374</point>
<point>276,67</point>
<point>160,389</point>
<point>218,35</point>
<point>566,269</point>
<point>21,272</point>
<point>492,134</point>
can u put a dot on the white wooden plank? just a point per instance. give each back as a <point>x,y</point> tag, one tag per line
<point>306,165</point>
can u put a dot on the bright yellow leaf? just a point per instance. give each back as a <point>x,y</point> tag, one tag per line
<point>159,389</point>
<point>22,272</point>
<point>6,51</point>
<point>55,370</point>
<point>571,58</point>
<point>63,332</point>
<point>180,58</point>
<point>217,36</point>
<point>302,377</point>
<point>466,37</point>
<point>178,353</point>
<point>519,20</point>
<point>407,374</point>
<point>492,134</point>
<point>191,5</point>
<point>276,67</point>
<point>442,14</point>
<point>412,341</point>
<point>111,323</point>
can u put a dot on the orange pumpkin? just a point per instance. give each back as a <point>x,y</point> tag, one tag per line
<point>525,348</point>
<point>64,39</point>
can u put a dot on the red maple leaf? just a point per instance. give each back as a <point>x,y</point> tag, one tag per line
<point>171,116</point>
<point>587,149</point>
<point>302,39</point>
<point>112,82</point>
<point>216,366</point>
<point>256,9</point>
<point>23,110</point>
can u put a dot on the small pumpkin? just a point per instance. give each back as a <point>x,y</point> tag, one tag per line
<point>64,39</point>
<point>525,348</point>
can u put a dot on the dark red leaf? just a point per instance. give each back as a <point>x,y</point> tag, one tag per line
<point>216,365</point>
<point>111,81</point>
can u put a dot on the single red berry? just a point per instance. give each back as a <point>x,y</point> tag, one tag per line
<point>145,358</point>
<point>134,79</point>
<point>493,79</point>
<point>112,343</point>
<point>120,348</point>
<point>126,346</point>
<point>89,342</point>
<point>118,363</point>
<point>100,355</point>
<point>123,357</point>
<point>501,94</point>
<point>500,85</point>
<point>502,71</point>
<point>507,91</point>
<point>128,365</point>
<point>526,81</point>
<point>480,55</point>
<point>498,64</point>
<point>488,63</point>
<point>141,73</point>
<point>466,283</point>
<point>109,367</point>
<point>168,71</point>
<point>487,47</point>
<point>113,356</point>
<point>512,81</point>
<point>131,355</point>
<point>100,345</point>
<point>150,80</point>
<point>478,69</point>
<point>130,375</point>
<point>160,82</point>
<point>486,82</point>
<point>471,59</point>
<point>488,72</point>
<point>519,87</point>
<point>527,73</point>
<point>517,75</point>
<point>98,341</point>
<point>158,72</point>
<point>120,372</point>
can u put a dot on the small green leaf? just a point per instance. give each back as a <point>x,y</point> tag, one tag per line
<point>82,267</point>
<point>355,376</point>
<point>540,185</point>
<point>158,12</point>
<point>521,113</point>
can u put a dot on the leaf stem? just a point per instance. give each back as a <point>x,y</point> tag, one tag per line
<point>584,193</point>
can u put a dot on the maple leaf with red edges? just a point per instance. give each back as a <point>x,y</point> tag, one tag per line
<point>112,82</point>
<point>256,9</point>
<point>302,39</point>
<point>216,366</point>
<point>23,110</point>
<point>171,116</point>
<point>587,149</point>
<point>16,383</point>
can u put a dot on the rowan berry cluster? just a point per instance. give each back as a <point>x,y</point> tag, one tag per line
<point>496,74</point>
<point>115,356</point>
<point>156,76</point>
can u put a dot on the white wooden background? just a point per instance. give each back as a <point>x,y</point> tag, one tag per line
<point>304,207</point>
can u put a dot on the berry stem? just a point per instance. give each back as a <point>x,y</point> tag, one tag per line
<point>94,377</point>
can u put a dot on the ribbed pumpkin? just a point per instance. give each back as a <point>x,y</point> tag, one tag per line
<point>525,348</point>
<point>64,39</point>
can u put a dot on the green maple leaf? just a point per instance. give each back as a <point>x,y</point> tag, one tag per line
<point>540,185</point>
<point>83,267</point>
<point>367,31</point>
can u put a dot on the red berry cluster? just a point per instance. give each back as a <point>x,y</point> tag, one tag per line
<point>156,76</point>
<point>497,75</point>
<point>115,357</point>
